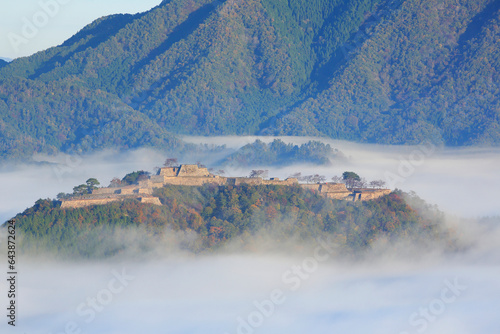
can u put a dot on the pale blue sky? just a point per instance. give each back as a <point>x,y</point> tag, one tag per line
<point>57,22</point>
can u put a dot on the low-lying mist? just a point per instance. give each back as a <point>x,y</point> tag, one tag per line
<point>462,182</point>
<point>266,285</point>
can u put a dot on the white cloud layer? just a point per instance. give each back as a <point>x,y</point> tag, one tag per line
<point>429,292</point>
<point>233,293</point>
<point>462,182</point>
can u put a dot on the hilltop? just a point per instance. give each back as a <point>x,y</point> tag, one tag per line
<point>208,216</point>
<point>383,71</point>
<point>195,176</point>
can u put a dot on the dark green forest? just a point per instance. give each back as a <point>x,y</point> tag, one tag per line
<point>377,71</point>
<point>218,215</point>
<point>277,153</point>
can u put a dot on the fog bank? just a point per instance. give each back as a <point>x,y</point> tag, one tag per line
<point>415,290</point>
<point>245,293</point>
<point>462,181</point>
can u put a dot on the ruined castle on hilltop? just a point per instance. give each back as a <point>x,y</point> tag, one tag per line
<point>193,175</point>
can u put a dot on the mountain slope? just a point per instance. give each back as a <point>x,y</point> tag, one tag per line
<point>426,71</point>
<point>52,117</point>
<point>365,70</point>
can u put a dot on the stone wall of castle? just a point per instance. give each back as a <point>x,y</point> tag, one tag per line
<point>105,191</point>
<point>287,182</point>
<point>169,171</point>
<point>340,192</point>
<point>236,181</point>
<point>184,170</point>
<point>326,187</point>
<point>315,186</point>
<point>81,203</point>
<point>150,200</point>
<point>371,194</point>
<point>330,190</point>
<point>346,195</point>
<point>193,171</point>
<point>194,181</point>
<point>84,202</point>
<point>333,188</point>
<point>131,190</point>
<point>192,175</point>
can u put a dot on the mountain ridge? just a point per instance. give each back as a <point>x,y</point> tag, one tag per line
<point>392,72</point>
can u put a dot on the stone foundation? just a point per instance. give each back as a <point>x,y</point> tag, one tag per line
<point>333,188</point>
<point>87,202</point>
<point>194,181</point>
<point>84,202</point>
<point>104,191</point>
<point>314,187</point>
<point>371,194</point>
<point>150,200</point>
<point>195,176</point>
<point>340,195</point>
<point>278,182</point>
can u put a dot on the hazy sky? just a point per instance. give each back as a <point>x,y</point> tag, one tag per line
<point>54,21</point>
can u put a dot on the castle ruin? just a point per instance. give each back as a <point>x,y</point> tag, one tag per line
<point>193,176</point>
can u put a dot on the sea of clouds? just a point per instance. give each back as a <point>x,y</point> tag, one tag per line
<point>461,181</point>
<point>261,293</point>
<point>415,290</point>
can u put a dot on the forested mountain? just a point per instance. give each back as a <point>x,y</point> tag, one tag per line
<point>277,153</point>
<point>428,69</point>
<point>202,219</point>
<point>381,71</point>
